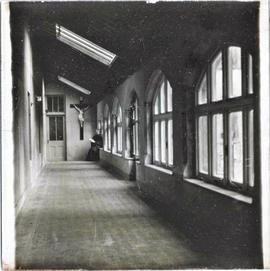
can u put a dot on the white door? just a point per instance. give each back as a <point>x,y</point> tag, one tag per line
<point>56,138</point>
<point>55,129</point>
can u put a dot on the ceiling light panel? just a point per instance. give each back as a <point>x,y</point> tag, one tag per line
<point>73,85</point>
<point>85,46</point>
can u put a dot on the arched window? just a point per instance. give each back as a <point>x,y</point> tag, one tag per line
<point>162,124</point>
<point>117,124</point>
<point>107,128</point>
<point>224,117</point>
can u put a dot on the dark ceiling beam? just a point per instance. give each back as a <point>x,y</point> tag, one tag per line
<point>174,35</point>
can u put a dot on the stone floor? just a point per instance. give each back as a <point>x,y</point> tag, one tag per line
<point>80,216</point>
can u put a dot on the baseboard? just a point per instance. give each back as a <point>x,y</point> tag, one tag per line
<point>20,203</point>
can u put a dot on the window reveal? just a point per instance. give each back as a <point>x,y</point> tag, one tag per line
<point>134,127</point>
<point>107,128</point>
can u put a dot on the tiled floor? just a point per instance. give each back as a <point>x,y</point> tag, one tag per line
<point>80,216</point>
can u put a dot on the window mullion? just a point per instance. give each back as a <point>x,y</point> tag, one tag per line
<point>53,104</point>
<point>55,121</point>
<point>196,145</point>
<point>225,69</point>
<point>245,150</point>
<point>158,142</point>
<point>245,77</point>
<point>154,140</point>
<point>165,93</point>
<point>226,117</point>
<point>209,133</point>
<point>117,136</point>
<point>159,103</point>
<point>58,104</point>
<point>226,148</point>
<point>209,84</point>
<point>166,143</point>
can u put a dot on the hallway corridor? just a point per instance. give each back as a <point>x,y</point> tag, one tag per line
<point>80,216</point>
<point>169,96</point>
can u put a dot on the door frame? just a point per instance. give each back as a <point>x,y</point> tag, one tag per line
<point>48,114</point>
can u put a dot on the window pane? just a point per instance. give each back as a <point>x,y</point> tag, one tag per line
<point>136,110</point>
<point>170,142</point>
<point>119,139</point>
<point>109,132</point>
<point>202,93</point>
<point>203,144</point>
<point>169,97</point>
<point>137,138</point>
<point>250,74</point>
<point>49,104</point>
<point>119,115</point>
<point>236,147</point>
<point>234,72</point>
<point>134,138</point>
<point>163,141</point>
<point>114,135</point>
<point>55,104</point>
<point>105,134</point>
<point>217,146</point>
<point>156,141</point>
<point>217,80</point>
<point>59,128</point>
<point>162,98</point>
<point>61,104</point>
<point>156,105</point>
<point>52,128</point>
<point>251,147</point>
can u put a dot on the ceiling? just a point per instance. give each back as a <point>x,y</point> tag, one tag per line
<point>137,32</point>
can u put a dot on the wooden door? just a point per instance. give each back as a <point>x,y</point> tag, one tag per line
<point>56,138</point>
<point>56,145</point>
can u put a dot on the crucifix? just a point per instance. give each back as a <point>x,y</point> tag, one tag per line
<point>81,108</point>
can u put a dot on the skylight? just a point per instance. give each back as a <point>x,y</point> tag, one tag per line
<point>73,85</point>
<point>85,46</point>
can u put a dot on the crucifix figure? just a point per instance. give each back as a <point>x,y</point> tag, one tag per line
<point>81,108</point>
<point>81,113</point>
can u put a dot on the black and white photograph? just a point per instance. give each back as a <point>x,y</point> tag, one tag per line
<point>135,135</point>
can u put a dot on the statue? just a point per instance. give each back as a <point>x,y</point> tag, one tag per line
<point>81,113</point>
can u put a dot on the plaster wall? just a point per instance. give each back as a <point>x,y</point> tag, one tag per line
<point>27,123</point>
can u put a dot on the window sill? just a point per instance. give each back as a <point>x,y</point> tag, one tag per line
<point>129,158</point>
<point>228,193</point>
<point>108,151</point>
<point>164,170</point>
<point>117,154</point>
<point>137,160</point>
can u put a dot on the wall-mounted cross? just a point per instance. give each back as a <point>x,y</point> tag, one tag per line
<point>81,108</point>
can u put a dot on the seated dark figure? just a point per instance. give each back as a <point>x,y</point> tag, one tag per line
<point>98,140</point>
<point>93,154</point>
<point>96,143</point>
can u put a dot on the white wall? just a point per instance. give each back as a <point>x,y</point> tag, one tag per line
<point>7,144</point>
